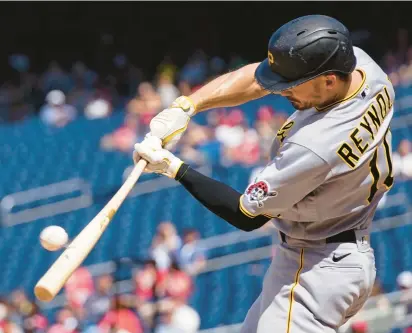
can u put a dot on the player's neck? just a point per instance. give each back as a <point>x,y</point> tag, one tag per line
<point>345,90</point>
<point>353,84</point>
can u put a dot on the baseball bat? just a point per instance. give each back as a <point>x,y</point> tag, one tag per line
<point>56,276</point>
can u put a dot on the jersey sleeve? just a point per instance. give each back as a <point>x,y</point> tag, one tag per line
<point>294,173</point>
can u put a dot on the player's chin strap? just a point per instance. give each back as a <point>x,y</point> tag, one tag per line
<point>219,198</point>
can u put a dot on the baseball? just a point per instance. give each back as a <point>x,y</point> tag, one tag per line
<point>53,238</point>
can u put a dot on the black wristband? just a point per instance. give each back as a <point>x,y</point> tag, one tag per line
<point>182,171</point>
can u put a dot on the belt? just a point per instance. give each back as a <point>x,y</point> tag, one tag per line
<point>348,236</point>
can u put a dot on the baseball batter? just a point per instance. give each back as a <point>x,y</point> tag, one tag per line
<point>330,165</point>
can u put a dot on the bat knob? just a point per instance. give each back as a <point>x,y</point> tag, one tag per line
<point>42,294</point>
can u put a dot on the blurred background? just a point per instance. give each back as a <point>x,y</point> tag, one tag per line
<point>79,85</point>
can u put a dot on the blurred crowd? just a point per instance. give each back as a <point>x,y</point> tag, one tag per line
<point>158,301</point>
<point>59,97</point>
<point>228,138</point>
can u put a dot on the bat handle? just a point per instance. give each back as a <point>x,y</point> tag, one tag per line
<point>140,166</point>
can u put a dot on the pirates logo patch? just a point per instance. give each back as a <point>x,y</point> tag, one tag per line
<point>259,192</point>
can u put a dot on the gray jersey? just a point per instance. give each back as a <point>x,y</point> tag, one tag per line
<point>329,167</point>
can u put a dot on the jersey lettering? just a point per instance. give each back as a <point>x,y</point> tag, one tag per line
<point>374,170</point>
<point>388,154</point>
<point>283,131</point>
<point>358,141</point>
<point>351,151</point>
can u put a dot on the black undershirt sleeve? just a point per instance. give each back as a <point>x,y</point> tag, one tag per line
<point>219,198</point>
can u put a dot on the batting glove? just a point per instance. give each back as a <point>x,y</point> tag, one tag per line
<point>159,160</point>
<point>170,124</point>
<point>151,142</point>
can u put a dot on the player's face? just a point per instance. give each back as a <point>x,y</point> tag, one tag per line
<point>315,92</point>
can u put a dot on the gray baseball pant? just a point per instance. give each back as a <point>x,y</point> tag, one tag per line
<point>306,291</point>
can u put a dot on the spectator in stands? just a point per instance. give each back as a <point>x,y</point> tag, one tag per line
<point>377,288</point>
<point>138,108</point>
<point>359,327</point>
<point>100,301</point>
<point>229,131</point>
<point>32,94</point>
<point>147,280</point>
<point>177,284</point>
<point>199,146</point>
<point>120,319</point>
<point>97,108</point>
<point>145,104</point>
<point>167,91</point>
<point>164,244</point>
<point>35,322</point>
<point>167,67</point>
<point>177,317</point>
<point>265,128</point>
<point>185,88</point>
<point>80,73</point>
<point>10,321</point>
<point>56,112</point>
<point>148,95</point>
<point>196,69</point>
<point>135,77</point>
<point>217,66</point>
<point>20,302</point>
<point>79,95</point>
<point>124,137</point>
<point>184,317</point>
<point>99,104</point>
<point>19,62</point>
<point>165,323</point>
<point>378,292</point>
<point>79,288</point>
<point>404,281</point>
<point>402,160</point>
<point>190,256</point>
<point>55,78</point>
<point>235,62</point>
<point>66,322</point>
<point>241,143</point>
<point>215,117</point>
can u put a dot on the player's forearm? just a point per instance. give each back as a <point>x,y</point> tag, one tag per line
<point>219,198</point>
<point>230,89</point>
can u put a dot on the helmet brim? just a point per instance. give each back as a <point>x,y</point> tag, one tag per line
<point>274,82</point>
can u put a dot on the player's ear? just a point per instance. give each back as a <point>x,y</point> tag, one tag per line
<point>330,80</point>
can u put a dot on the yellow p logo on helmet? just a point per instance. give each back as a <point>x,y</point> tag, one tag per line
<point>270,58</point>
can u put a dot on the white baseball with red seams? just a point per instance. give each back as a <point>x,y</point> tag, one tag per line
<point>53,238</point>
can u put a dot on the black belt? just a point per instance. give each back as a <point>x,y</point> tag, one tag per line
<point>348,236</point>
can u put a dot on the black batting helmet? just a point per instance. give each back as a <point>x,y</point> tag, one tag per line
<point>303,49</point>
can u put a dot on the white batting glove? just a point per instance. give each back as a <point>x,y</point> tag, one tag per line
<point>170,124</point>
<point>150,141</point>
<point>159,160</point>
